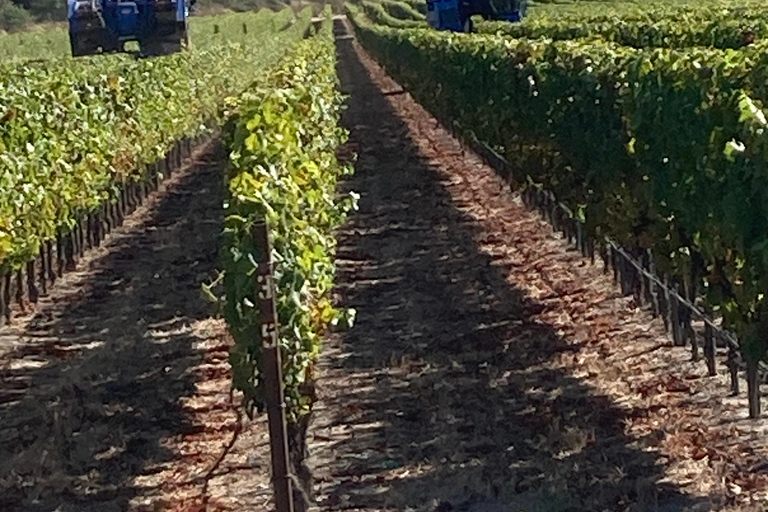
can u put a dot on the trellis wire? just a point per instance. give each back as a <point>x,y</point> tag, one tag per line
<point>634,276</point>
<point>21,289</point>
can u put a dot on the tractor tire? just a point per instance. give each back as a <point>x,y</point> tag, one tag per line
<point>150,48</point>
<point>77,50</point>
<point>160,47</point>
<point>153,47</point>
<point>469,26</point>
<point>111,46</point>
<point>80,46</point>
<point>110,43</point>
<point>173,46</point>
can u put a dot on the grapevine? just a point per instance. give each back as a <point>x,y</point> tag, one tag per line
<point>654,148</point>
<point>402,10</point>
<point>71,130</point>
<point>380,14</point>
<point>283,141</point>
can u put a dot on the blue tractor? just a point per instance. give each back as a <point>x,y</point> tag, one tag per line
<point>456,15</point>
<point>104,26</point>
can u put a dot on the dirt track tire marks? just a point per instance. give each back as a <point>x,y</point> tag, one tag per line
<point>491,367</point>
<point>114,395</point>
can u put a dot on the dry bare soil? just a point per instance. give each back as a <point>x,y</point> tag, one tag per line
<point>492,368</point>
<point>115,392</point>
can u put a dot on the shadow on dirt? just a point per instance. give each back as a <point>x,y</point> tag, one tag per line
<point>97,379</point>
<point>457,409</point>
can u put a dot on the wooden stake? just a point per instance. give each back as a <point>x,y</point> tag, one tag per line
<point>733,369</point>
<point>43,257</point>
<point>753,388</point>
<point>271,370</point>
<point>674,320</point>
<point>5,296</point>
<point>32,291</point>
<point>50,274</point>
<point>709,349</point>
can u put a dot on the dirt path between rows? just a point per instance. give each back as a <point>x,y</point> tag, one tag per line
<point>492,368</point>
<point>114,395</point>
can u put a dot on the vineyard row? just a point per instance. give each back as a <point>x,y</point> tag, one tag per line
<point>75,136</point>
<point>283,139</point>
<point>52,42</point>
<point>722,29</point>
<point>654,149</point>
<point>56,257</point>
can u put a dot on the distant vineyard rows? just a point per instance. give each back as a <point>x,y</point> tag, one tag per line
<point>718,25</point>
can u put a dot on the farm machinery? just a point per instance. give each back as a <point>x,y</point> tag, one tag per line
<point>159,26</point>
<point>456,15</point>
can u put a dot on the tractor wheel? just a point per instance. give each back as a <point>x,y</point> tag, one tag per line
<point>173,46</point>
<point>160,47</point>
<point>80,46</point>
<point>111,46</point>
<point>151,47</point>
<point>469,27</point>
<point>77,50</point>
